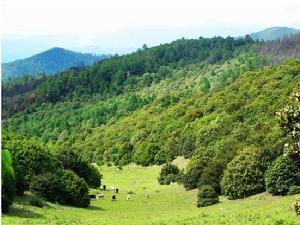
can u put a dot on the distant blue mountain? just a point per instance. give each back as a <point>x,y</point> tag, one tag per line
<point>117,42</point>
<point>49,62</point>
<point>273,33</point>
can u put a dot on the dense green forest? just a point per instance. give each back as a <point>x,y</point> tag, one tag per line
<point>213,101</point>
<point>96,111</point>
<point>110,77</point>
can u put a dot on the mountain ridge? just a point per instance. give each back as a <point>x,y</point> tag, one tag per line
<point>273,33</point>
<point>49,62</point>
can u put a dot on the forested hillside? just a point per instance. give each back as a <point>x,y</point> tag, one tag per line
<point>113,76</point>
<point>213,101</point>
<point>282,49</point>
<point>69,109</point>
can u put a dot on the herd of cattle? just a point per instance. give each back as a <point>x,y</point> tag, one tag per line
<point>113,197</point>
<point>115,191</point>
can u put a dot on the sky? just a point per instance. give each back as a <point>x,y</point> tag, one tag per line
<point>31,17</point>
<point>90,20</point>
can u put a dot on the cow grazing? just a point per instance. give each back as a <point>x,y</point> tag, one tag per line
<point>297,207</point>
<point>92,197</point>
<point>113,198</point>
<point>117,190</point>
<point>104,187</point>
<point>100,196</point>
<point>128,197</point>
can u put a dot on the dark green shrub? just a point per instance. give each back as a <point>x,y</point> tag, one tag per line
<point>180,177</point>
<point>211,176</point>
<point>47,186</point>
<point>75,190</point>
<point>21,184</point>
<point>207,196</point>
<point>293,190</point>
<point>7,192</point>
<point>170,178</point>
<point>94,177</point>
<point>281,176</point>
<point>297,179</point>
<point>72,161</point>
<point>36,201</point>
<point>168,173</point>
<point>166,180</point>
<point>68,158</point>
<point>191,178</point>
<point>198,163</point>
<point>244,175</point>
<point>65,188</point>
<point>30,158</point>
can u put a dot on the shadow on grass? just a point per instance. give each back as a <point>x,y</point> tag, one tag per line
<point>24,213</point>
<point>92,207</point>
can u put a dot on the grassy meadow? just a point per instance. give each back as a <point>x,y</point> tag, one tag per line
<point>154,204</point>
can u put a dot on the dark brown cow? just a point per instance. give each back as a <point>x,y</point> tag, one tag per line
<point>92,197</point>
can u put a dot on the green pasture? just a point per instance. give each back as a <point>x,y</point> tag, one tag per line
<point>152,203</point>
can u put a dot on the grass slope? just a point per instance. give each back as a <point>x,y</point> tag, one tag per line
<point>166,205</point>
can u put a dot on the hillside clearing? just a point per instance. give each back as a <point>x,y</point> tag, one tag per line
<point>165,205</point>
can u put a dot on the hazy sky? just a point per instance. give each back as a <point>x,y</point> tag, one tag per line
<point>31,26</point>
<point>93,16</point>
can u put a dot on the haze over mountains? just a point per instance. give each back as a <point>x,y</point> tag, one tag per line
<point>273,33</point>
<point>58,59</point>
<point>122,42</point>
<point>49,62</point>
